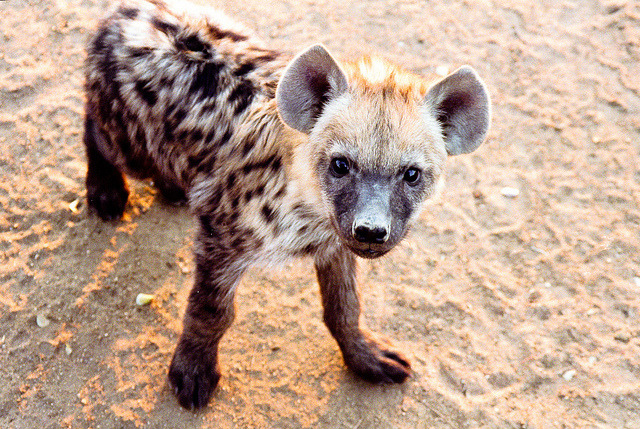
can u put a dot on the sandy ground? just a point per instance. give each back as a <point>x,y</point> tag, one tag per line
<point>516,312</point>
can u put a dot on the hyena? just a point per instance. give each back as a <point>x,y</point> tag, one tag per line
<point>277,156</point>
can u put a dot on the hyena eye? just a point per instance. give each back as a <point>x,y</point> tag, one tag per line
<point>411,175</point>
<point>339,167</point>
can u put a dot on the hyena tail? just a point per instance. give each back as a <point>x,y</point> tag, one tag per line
<point>107,191</point>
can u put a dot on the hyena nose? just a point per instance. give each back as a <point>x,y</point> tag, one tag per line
<point>370,234</point>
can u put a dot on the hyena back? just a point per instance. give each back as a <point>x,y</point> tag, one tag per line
<point>278,157</point>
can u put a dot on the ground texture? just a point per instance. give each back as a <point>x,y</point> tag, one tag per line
<point>516,312</point>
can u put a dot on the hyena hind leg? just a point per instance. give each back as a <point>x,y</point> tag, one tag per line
<point>107,191</point>
<point>194,371</point>
<point>171,192</point>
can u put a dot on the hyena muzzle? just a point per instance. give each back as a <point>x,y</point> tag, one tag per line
<point>278,157</point>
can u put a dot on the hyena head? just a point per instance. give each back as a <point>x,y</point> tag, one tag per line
<point>378,139</point>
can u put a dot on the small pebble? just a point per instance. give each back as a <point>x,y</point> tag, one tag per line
<point>67,349</point>
<point>636,281</point>
<point>510,192</point>
<point>144,299</point>
<point>623,337</point>
<point>569,374</point>
<point>74,206</point>
<point>42,320</point>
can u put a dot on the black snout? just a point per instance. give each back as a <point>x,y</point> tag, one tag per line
<point>370,234</point>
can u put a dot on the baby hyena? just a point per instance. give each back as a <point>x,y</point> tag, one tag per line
<point>277,157</point>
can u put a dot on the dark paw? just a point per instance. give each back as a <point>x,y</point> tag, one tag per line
<point>193,378</point>
<point>376,362</point>
<point>108,202</point>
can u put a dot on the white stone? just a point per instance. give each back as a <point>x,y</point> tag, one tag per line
<point>510,192</point>
<point>569,374</point>
<point>144,299</point>
<point>42,320</point>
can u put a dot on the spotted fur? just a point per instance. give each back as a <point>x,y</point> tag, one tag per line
<point>257,142</point>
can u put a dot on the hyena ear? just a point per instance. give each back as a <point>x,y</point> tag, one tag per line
<point>310,80</point>
<point>462,107</point>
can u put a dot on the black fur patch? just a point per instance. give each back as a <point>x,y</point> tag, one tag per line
<point>189,136</point>
<point>225,138</point>
<point>224,34</point>
<point>242,94</point>
<point>265,55</point>
<point>244,69</point>
<point>210,136</point>
<point>194,161</point>
<point>238,243</point>
<point>276,164</point>
<point>176,113</point>
<point>309,249</point>
<point>99,42</point>
<point>247,146</point>
<point>233,217</point>
<point>274,161</point>
<point>205,81</point>
<point>267,213</point>
<point>165,81</point>
<point>194,43</point>
<point>207,163</point>
<point>138,53</point>
<point>281,192</point>
<point>129,12</point>
<point>220,218</point>
<point>168,132</point>
<point>143,88</point>
<point>196,135</point>
<point>231,180</point>
<point>210,106</point>
<point>165,27</point>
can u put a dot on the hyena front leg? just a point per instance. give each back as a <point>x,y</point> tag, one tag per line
<point>194,371</point>
<point>368,358</point>
<point>107,191</point>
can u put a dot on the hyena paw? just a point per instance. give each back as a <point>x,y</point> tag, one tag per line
<point>193,378</point>
<point>374,361</point>
<point>108,202</point>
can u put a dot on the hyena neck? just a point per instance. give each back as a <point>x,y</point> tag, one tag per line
<point>303,172</point>
<point>300,168</point>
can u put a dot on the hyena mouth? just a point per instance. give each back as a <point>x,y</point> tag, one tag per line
<point>369,252</point>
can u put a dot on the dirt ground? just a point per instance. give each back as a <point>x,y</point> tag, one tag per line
<point>516,312</point>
